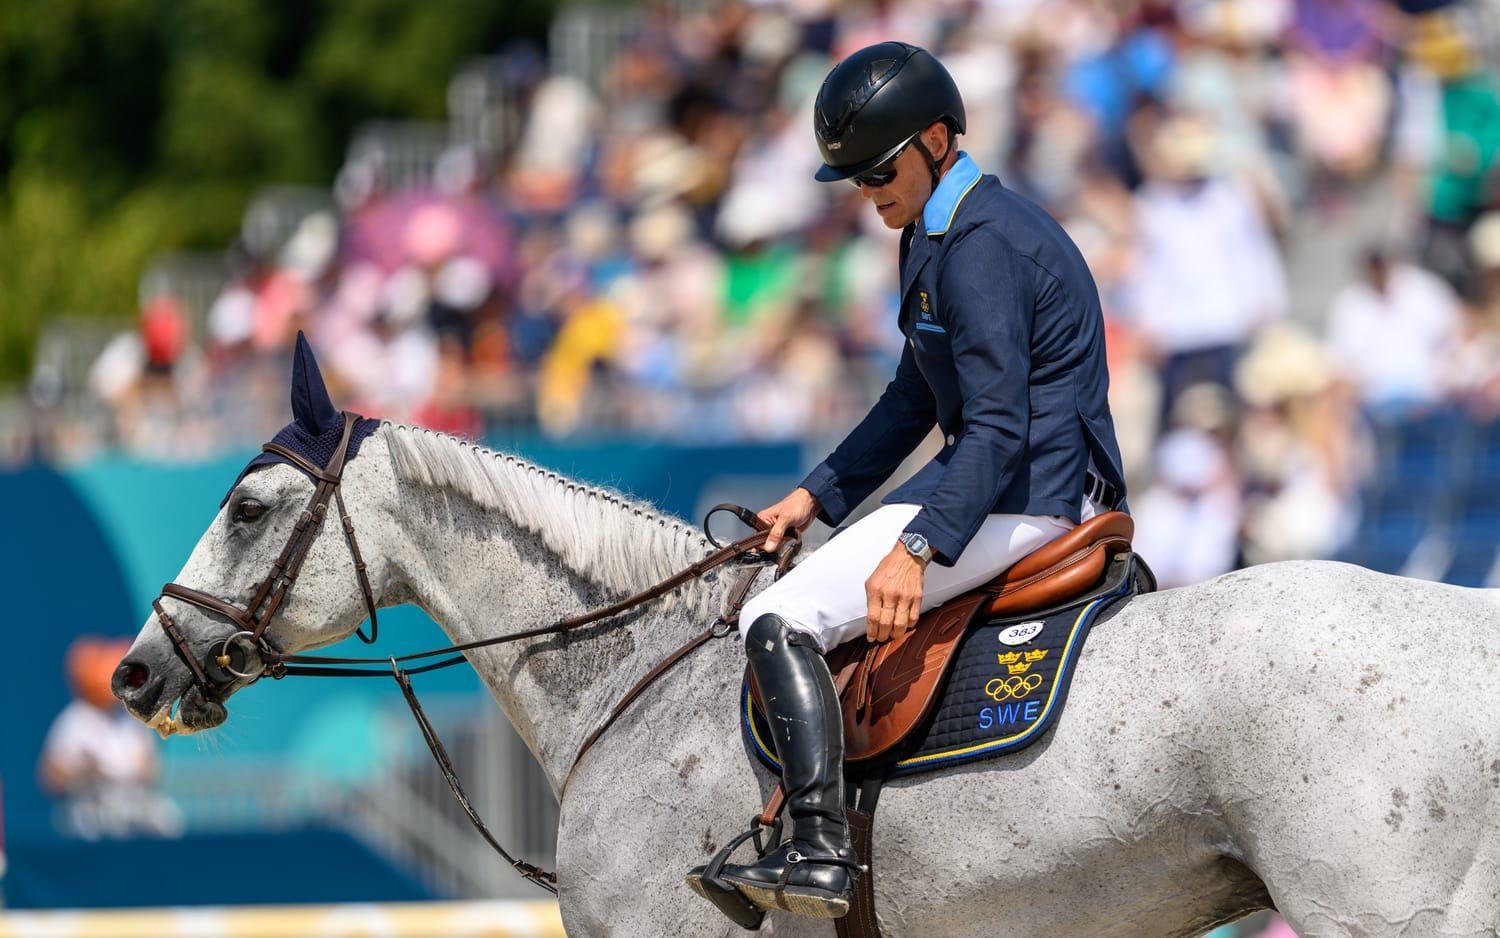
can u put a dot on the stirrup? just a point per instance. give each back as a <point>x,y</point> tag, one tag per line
<point>725,897</point>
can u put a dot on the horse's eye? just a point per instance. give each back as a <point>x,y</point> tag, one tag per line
<point>248,510</point>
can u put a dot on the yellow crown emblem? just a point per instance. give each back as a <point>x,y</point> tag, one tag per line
<point>1009,657</point>
<point>1021,668</point>
<point>1038,655</point>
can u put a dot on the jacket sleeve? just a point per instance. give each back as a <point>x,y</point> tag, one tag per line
<point>873,449</point>
<point>987,303</point>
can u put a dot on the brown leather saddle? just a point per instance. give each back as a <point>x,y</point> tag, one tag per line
<point>887,689</point>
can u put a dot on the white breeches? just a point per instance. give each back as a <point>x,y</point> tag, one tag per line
<point>824,595</point>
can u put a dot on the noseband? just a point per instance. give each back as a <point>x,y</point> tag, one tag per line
<point>253,619</point>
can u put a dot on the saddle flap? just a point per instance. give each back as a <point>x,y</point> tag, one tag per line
<point>901,678</point>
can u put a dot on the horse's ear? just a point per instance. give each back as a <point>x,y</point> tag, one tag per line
<point>311,406</point>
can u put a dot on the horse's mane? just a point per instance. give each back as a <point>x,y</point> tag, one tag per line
<point>621,544</point>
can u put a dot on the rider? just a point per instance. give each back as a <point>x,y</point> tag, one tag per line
<point>1004,352</point>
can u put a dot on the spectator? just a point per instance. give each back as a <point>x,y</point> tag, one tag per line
<point>1393,332</point>
<point>97,759</point>
<point>164,334</point>
<point>1473,375</point>
<point>1188,523</point>
<point>1209,273</point>
<point>1298,449</point>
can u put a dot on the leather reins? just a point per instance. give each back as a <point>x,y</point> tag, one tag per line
<point>254,618</point>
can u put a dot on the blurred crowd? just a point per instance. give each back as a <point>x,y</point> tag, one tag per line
<point>653,257</point>
<point>98,762</point>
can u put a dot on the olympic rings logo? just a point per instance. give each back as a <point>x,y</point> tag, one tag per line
<point>1018,687</point>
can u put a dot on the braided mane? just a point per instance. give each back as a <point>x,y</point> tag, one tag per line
<point>620,543</point>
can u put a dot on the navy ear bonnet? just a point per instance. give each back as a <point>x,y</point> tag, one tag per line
<point>316,429</point>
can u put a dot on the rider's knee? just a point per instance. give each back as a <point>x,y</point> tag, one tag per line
<point>753,609</point>
<point>763,629</point>
<point>766,630</point>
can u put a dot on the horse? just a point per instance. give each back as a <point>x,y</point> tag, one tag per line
<point>1306,736</point>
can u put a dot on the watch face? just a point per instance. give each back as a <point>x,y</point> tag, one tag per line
<point>916,543</point>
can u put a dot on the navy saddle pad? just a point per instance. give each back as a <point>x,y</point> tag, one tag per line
<point>1008,682</point>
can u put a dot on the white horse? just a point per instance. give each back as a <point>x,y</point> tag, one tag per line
<point>1312,736</point>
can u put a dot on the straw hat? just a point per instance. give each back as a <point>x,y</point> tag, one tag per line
<point>1284,362</point>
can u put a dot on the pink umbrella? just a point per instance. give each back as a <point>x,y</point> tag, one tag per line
<point>427,229</point>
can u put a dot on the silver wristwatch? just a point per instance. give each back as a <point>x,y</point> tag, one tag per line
<point>917,546</point>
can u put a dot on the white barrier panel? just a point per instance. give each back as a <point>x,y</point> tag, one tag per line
<point>498,919</point>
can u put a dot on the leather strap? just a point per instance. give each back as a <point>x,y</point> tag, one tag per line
<point>861,921</point>
<point>531,872</point>
<point>665,665</point>
<point>359,570</point>
<point>180,645</point>
<point>745,547</point>
<point>317,472</point>
<point>774,804</point>
<point>723,626</point>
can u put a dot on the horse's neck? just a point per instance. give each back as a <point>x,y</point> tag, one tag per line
<point>479,575</point>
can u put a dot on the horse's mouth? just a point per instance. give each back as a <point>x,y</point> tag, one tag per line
<point>194,713</point>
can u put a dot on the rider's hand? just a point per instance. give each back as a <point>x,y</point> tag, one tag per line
<point>796,511</point>
<point>893,595</point>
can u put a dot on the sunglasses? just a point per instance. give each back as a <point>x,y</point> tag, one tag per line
<point>881,175</point>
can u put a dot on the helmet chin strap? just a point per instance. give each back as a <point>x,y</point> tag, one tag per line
<point>932,164</point>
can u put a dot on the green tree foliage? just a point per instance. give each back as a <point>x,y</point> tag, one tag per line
<point>132,127</point>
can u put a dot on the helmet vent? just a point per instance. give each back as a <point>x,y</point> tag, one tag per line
<point>831,127</point>
<point>879,69</point>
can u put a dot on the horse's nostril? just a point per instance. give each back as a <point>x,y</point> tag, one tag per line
<point>136,675</point>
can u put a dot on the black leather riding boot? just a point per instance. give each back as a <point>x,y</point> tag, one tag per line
<point>812,873</point>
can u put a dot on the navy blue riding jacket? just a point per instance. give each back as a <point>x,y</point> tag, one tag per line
<point>1005,352</point>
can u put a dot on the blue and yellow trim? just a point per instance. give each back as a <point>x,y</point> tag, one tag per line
<point>757,743</point>
<point>957,182</point>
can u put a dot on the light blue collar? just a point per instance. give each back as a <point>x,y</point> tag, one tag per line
<point>951,189</point>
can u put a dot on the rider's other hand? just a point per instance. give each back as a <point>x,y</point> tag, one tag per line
<point>893,595</point>
<point>796,511</point>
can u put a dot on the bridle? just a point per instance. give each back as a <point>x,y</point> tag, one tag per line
<point>220,670</point>
<point>253,619</point>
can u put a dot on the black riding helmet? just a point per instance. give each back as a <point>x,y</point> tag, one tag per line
<point>875,101</point>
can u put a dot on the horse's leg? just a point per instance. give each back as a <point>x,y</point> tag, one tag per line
<point>1349,737</point>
